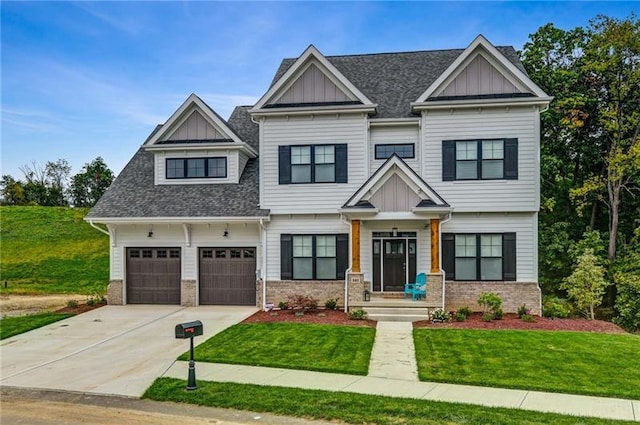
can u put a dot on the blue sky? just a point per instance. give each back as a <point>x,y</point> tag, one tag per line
<point>88,79</point>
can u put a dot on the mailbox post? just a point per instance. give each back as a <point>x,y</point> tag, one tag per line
<point>184,331</point>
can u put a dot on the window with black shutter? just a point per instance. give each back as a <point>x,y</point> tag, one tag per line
<point>487,159</point>
<point>312,164</point>
<point>479,256</point>
<point>314,257</point>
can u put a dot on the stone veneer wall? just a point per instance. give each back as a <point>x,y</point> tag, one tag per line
<point>356,287</point>
<point>115,295</point>
<point>514,294</point>
<point>434,289</point>
<point>280,290</point>
<point>259,302</point>
<point>188,293</point>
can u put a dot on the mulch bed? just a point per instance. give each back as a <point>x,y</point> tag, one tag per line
<point>512,321</point>
<point>80,308</point>
<point>325,317</point>
<point>509,321</point>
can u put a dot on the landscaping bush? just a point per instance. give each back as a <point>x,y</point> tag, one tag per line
<point>440,316</point>
<point>72,303</point>
<point>331,303</point>
<point>358,314</point>
<point>498,314</point>
<point>491,303</point>
<point>460,316</point>
<point>465,310</point>
<point>487,317</point>
<point>283,305</point>
<point>523,310</point>
<point>528,318</point>
<point>553,307</point>
<point>302,302</point>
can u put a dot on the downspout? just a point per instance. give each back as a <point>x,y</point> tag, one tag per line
<point>440,242</point>
<point>264,263</point>
<point>100,229</point>
<point>346,273</point>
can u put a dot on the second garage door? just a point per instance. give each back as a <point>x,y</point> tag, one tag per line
<point>153,276</point>
<point>228,276</point>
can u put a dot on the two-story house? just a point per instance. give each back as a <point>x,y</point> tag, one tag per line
<point>351,173</point>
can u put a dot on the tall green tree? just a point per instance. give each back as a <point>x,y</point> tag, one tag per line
<point>90,184</point>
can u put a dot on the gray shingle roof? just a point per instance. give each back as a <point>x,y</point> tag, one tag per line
<point>134,194</point>
<point>394,80</point>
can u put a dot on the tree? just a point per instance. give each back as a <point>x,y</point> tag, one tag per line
<point>586,285</point>
<point>91,183</point>
<point>12,191</point>
<point>612,72</point>
<point>57,174</point>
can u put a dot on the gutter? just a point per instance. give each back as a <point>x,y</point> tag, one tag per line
<point>346,272</point>
<point>264,263</point>
<point>100,229</point>
<point>440,242</point>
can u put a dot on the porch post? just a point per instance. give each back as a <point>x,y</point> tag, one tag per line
<point>435,245</point>
<point>355,246</point>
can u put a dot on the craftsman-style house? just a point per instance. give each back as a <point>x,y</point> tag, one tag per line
<point>351,173</point>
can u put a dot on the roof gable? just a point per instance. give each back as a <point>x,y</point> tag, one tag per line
<point>311,79</point>
<point>195,122</point>
<point>394,176</point>
<point>481,70</point>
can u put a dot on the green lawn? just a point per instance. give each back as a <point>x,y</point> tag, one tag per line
<point>350,408</point>
<point>10,326</point>
<point>325,348</point>
<point>51,250</point>
<point>569,362</point>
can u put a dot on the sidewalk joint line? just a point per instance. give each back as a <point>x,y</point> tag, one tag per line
<point>526,394</point>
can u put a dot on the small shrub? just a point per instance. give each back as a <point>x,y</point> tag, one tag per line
<point>460,316</point>
<point>556,307</point>
<point>522,310</point>
<point>528,318</point>
<point>498,314</point>
<point>283,305</point>
<point>91,301</point>
<point>628,301</point>
<point>358,314</point>
<point>302,302</point>
<point>439,316</point>
<point>331,303</point>
<point>465,310</point>
<point>487,317</point>
<point>72,303</point>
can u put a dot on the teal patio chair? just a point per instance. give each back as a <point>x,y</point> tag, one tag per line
<point>410,288</point>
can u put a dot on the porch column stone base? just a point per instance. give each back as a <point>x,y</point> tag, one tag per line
<point>514,294</point>
<point>356,286</point>
<point>188,293</point>
<point>434,288</point>
<point>115,295</point>
<point>259,301</point>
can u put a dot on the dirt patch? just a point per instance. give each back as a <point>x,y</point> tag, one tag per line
<point>512,321</point>
<point>326,317</point>
<point>20,305</point>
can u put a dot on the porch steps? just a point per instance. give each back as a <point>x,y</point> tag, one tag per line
<point>395,309</point>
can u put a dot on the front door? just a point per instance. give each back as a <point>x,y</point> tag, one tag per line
<point>394,261</point>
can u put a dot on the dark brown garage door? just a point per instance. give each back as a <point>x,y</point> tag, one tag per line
<point>153,275</point>
<point>228,276</point>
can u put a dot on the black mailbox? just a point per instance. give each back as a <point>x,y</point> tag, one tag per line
<point>189,329</point>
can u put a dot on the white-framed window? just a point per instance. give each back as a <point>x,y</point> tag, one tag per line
<point>190,168</point>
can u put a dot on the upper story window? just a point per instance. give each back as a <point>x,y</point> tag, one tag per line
<point>489,159</point>
<point>313,164</point>
<point>193,168</point>
<point>403,150</point>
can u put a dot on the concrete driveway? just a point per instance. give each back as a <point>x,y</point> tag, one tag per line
<point>111,350</point>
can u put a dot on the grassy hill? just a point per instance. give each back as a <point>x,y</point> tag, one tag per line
<point>51,250</point>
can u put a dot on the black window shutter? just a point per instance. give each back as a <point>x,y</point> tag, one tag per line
<point>511,159</point>
<point>284,164</point>
<point>342,168</point>
<point>448,255</point>
<point>342,254</point>
<point>509,256</point>
<point>448,160</point>
<point>286,257</point>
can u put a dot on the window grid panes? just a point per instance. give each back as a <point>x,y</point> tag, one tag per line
<point>480,159</point>
<point>301,164</point>
<point>313,164</point>
<point>188,168</point>
<point>403,150</point>
<point>478,257</point>
<point>314,257</point>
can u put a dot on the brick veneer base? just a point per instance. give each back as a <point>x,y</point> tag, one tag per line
<point>114,292</point>
<point>434,289</point>
<point>188,290</point>
<point>280,290</point>
<point>514,294</point>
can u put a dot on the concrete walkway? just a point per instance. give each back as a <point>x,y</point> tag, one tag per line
<point>394,355</point>
<point>567,404</point>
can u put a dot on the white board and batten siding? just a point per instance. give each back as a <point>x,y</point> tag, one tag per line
<point>479,77</point>
<point>312,86</point>
<point>307,224</point>
<point>196,127</point>
<point>484,123</point>
<point>172,235</point>
<point>311,130</point>
<point>394,135</point>
<point>525,225</point>
<point>235,165</point>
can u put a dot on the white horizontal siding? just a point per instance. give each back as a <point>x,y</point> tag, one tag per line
<point>297,224</point>
<point>495,195</point>
<point>307,130</point>
<point>394,135</point>
<point>523,224</point>
<point>172,235</point>
<point>232,166</point>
